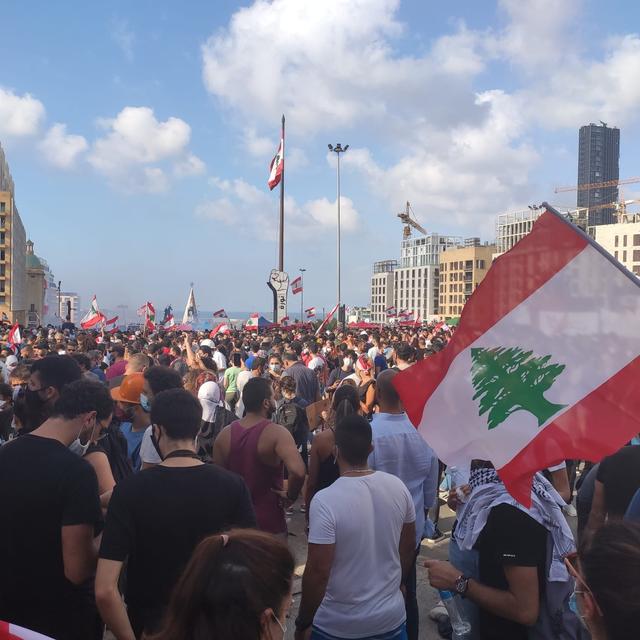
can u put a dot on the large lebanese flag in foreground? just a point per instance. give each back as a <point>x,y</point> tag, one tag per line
<point>10,631</point>
<point>544,364</point>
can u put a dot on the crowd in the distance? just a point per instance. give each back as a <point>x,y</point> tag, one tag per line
<point>146,482</point>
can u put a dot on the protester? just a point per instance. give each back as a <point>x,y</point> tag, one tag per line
<point>607,582</point>
<point>345,370</point>
<point>47,379</point>
<point>134,419</point>
<point>617,480</point>
<point>51,515</point>
<point>231,381</point>
<point>306,380</point>
<point>404,356</point>
<point>259,450</point>
<point>323,468</point>
<point>237,585</point>
<point>171,508</point>
<point>513,547</point>
<point>366,385</point>
<point>119,363</point>
<point>399,449</point>
<point>362,526</point>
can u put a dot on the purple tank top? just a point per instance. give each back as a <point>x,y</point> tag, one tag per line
<point>260,478</point>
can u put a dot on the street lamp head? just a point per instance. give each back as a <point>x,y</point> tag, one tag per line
<point>346,146</point>
<point>330,147</point>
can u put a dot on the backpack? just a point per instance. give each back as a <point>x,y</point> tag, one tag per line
<point>287,416</point>
<point>556,621</point>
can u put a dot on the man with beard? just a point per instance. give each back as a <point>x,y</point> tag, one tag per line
<point>50,516</point>
<point>49,376</point>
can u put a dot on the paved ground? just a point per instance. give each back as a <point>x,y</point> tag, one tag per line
<point>427,597</point>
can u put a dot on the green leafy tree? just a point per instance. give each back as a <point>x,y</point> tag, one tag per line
<point>507,380</point>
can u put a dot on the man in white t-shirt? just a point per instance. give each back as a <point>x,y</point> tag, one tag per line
<point>361,545</point>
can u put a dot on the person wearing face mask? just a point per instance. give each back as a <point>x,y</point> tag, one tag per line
<point>47,379</point>
<point>156,380</point>
<point>253,574</point>
<point>344,371</point>
<point>134,419</point>
<point>51,515</point>
<point>259,450</point>
<point>170,507</point>
<point>606,571</point>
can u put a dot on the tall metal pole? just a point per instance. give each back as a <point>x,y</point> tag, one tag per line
<point>281,249</point>
<point>60,301</point>
<point>338,149</point>
<point>301,292</point>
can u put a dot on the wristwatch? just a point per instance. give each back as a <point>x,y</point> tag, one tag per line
<point>462,584</point>
<point>302,625</point>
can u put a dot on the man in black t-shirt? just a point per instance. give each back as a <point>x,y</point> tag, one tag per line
<point>157,517</point>
<point>50,516</point>
<point>617,480</point>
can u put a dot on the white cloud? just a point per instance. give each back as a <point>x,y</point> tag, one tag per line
<point>124,37</point>
<point>191,165</point>
<point>19,115</point>
<point>258,146</point>
<point>134,141</point>
<point>252,211</point>
<point>62,149</point>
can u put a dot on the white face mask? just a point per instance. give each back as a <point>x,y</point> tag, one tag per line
<point>275,367</point>
<point>78,448</point>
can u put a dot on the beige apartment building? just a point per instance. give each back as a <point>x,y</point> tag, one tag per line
<point>622,241</point>
<point>13,277</point>
<point>461,271</point>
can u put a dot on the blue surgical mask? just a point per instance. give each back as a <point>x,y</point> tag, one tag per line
<point>144,403</point>
<point>573,605</point>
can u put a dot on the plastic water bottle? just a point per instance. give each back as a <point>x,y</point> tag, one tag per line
<point>461,627</point>
<point>456,481</point>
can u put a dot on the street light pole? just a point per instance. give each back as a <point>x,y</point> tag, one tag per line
<point>301,270</point>
<point>60,301</point>
<point>338,149</point>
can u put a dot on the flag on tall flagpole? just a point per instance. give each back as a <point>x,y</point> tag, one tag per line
<point>284,321</point>
<point>296,286</point>
<point>190,311</point>
<point>543,365</point>
<point>15,336</point>
<point>311,312</point>
<point>277,165</point>
<point>93,317</point>
<point>326,321</point>
<point>220,313</point>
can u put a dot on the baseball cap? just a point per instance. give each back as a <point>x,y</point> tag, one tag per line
<point>130,389</point>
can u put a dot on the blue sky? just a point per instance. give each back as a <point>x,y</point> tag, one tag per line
<point>139,134</point>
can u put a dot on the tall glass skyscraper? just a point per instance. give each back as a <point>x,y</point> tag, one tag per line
<point>598,161</point>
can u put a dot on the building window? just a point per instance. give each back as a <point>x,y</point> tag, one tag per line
<point>624,241</point>
<point>636,240</point>
<point>624,256</point>
<point>616,241</point>
<point>615,255</point>
<point>2,207</point>
<point>636,255</point>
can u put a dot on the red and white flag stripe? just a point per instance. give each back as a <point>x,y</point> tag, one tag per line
<point>220,313</point>
<point>326,321</point>
<point>93,317</point>
<point>9,631</point>
<point>311,312</point>
<point>276,168</point>
<point>296,285</point>
<point>15,336</point>
<point>570,310</point>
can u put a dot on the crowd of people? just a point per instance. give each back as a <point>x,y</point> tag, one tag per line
<point>146,482</point>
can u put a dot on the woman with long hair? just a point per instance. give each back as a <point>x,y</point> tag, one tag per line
<point>323,471</point>
<point>237,586</point>
<point>367,386</point>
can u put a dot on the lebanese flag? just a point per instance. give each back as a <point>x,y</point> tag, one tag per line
<point>391,312</point>
<point>311,312</point>
<point>223,327</point>
<point>15,337</point>
<point>93,317</point>
<point>169,322</point>
<point>150,317</point>
<point>220,313</point>
<point>112,321</point>
<point>296,285</point>
<point>326,321</point>
<point>276,169</point>
<point>10,631</point>
<point>253,320</point>
<point>544,363</point>
<point>284,321</point>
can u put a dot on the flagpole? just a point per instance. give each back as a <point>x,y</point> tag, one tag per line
<point>281,248</point>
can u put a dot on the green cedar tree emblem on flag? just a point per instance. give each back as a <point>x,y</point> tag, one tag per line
<point>507,380</point>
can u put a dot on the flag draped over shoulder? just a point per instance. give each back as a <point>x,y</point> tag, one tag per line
<point>543,365</point>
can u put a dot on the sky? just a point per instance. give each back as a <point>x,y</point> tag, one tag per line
<point>139,135</point>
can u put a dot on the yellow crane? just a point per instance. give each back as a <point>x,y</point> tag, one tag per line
<point>409,222</point>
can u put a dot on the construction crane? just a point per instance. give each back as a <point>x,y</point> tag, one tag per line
<point>579,214</point>
<point>596,185</point>
<point>410,222</point>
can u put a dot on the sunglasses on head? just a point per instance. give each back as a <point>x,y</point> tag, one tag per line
<point>571,563</point>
